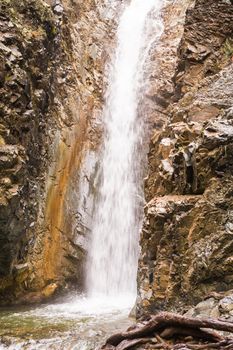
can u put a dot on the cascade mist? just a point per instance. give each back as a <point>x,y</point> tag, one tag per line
<point>113,254</point>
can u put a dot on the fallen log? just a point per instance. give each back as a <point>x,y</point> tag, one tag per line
<point>168,325</point>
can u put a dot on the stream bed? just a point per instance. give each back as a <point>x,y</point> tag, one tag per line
<point>76,323</point>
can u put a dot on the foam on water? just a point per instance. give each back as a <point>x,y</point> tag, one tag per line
<point>80,307</point>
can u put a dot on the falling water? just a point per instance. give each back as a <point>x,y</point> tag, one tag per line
<point>113,252</point>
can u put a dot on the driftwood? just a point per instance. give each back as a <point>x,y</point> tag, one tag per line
<point>166,326</point>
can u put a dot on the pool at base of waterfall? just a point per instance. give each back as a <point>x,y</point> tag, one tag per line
<point>77,323</point>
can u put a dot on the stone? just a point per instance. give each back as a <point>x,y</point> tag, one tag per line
<point>21,267</point>
<point>205,113</point>
<point>206,307</point>
<point>52,61</point>
<point>215,313</point>
<point>58,9</point>
<point>226,304</point>
<point>186,237</point>
<point>49,290</point>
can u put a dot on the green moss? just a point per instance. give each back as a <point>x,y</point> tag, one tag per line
<point>228,47</point>
<point>53,30</point>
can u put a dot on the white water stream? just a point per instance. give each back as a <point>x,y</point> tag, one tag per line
<point>112,265</point>
<point>113,255</point>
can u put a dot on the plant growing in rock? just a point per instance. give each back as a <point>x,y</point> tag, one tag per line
<point>228,47</point>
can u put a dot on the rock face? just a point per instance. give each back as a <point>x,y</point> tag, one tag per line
<point>52,58</point>
<point>27,50</point>
<point>186,239</point>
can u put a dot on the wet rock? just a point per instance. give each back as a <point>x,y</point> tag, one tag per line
<point>38,297</point>
<point>49,290</point>
<point>52,59</point>
<point>26,48</point>
<point>186,239</point>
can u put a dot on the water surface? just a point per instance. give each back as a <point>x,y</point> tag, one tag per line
<point>76,323</point>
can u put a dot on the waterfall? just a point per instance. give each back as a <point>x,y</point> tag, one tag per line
<point>113,253</point>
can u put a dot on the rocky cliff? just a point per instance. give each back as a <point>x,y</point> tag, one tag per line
<point>186,239</point>
<point>52,58</point>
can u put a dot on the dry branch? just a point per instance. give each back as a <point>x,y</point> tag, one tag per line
<point>168,325</point>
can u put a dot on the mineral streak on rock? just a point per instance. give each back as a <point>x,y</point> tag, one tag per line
<point>52,58</point>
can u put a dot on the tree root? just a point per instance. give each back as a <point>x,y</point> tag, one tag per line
<point>219,295</point>
<point>167,325</point>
